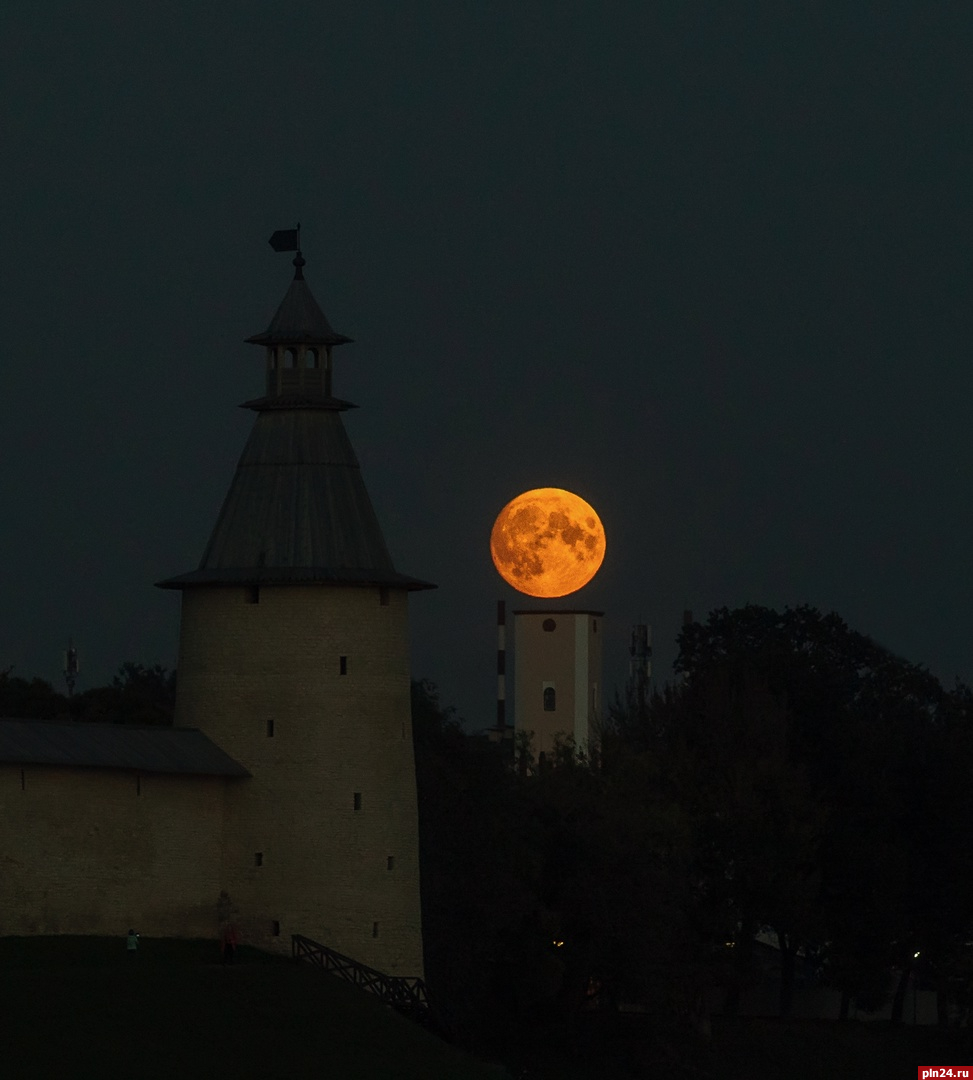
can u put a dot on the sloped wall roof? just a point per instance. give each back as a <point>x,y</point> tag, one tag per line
<point>114,746</point>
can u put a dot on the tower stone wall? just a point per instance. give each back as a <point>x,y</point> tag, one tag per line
<point>308,688</point>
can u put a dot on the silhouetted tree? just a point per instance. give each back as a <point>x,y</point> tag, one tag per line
<point>548,886</point>
<point>30,699</point>
<point>860,737</point>
<point>476,864</point>
<point>798,778</point>
<point>137,695</point>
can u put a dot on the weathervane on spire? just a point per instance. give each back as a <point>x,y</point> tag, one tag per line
<point>290,240</point>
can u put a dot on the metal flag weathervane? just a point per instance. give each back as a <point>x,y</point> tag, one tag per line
<point>287,239</point>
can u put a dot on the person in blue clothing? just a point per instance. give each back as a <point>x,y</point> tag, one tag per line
<point>132,943</point>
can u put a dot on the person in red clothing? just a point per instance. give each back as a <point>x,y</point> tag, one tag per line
<point>229,943</point>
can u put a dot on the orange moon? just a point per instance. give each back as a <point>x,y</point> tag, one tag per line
<point>547,542</point>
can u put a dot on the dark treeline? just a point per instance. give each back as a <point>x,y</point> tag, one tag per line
<point>136,695</point>
<point>798,780</point>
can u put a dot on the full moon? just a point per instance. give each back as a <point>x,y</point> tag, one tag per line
<point>547,542</point>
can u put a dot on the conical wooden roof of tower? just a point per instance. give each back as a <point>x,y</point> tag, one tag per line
<point>299,319</point>
<point>297,511</point>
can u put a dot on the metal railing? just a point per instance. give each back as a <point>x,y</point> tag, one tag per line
<point>406,994</point>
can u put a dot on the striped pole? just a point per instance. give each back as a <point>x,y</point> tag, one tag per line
<point>501,669</point>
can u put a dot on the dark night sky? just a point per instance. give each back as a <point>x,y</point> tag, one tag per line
<point>708,265</point>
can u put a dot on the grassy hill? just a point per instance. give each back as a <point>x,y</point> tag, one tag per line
<point>82,1007</point>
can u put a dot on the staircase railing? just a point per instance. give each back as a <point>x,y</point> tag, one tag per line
<point>406,994</point>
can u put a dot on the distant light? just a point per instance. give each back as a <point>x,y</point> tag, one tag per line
<point>915,955</point>
<point>557,943</point>
<point>729,944</point>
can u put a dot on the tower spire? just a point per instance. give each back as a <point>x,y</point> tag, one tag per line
<point>297,510</point>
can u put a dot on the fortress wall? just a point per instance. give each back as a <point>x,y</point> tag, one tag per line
<point>324,869</point>
<point>96,851</point>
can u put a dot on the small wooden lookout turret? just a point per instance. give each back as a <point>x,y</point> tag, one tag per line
<point>299,343</point>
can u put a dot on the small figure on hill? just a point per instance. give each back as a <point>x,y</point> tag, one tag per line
<point>229,943</point>
<point>132,943</point>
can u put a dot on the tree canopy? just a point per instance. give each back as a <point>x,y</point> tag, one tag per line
<point>137,695</point>
<point>797,782</point>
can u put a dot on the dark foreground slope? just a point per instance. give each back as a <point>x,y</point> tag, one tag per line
<point>646,1048</point>
<point>82,1007</point>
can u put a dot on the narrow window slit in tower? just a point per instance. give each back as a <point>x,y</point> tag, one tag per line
<point>383,595</point>
<point>357,801</point>
<point>374,929</point>
<point>391,863</point>
<point>258,858</point>
<point>253,594</point>
<point>342,665</point>
<point>276,927</point>
<point>23,781</point>
<point>270,729</point>
<point>138,784</point>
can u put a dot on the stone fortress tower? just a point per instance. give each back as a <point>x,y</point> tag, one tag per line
<point>294,660</point>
